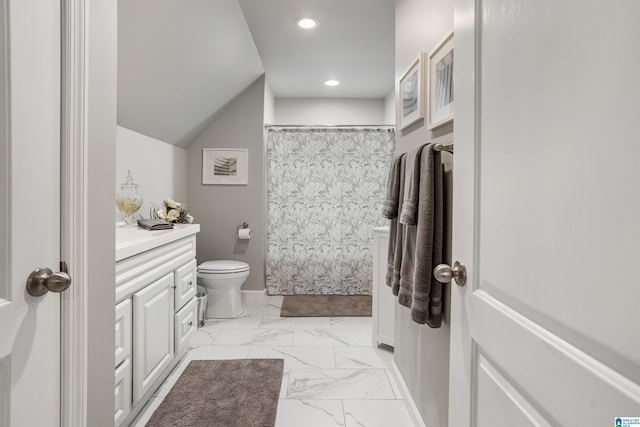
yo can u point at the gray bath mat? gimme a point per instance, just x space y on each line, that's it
223 393
326 305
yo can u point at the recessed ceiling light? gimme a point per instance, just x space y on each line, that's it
332 83
307 23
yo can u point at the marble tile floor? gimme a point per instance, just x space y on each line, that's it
332 375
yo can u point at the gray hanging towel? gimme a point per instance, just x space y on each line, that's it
395 191
391 202
408 220
426 306
409 211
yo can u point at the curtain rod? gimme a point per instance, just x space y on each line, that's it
389 127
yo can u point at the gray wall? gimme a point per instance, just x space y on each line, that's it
219 209
422 353
101 111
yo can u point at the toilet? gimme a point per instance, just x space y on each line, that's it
222 281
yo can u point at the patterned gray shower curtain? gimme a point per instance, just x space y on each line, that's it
325 189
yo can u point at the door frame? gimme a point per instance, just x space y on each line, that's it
465 233
5 155
74 211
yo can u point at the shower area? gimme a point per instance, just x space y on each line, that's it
325 189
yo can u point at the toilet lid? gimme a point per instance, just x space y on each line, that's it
223 266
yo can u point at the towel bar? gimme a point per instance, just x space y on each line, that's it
444 147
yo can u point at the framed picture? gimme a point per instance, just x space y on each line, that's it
227 166
411 93
440 108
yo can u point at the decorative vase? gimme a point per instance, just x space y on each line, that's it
128 200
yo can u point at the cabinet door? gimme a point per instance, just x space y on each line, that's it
185 280
152 334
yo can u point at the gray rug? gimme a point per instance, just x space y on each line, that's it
223 393
326 305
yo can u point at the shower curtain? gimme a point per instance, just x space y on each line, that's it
325 189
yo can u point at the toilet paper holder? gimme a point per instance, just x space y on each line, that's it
243 232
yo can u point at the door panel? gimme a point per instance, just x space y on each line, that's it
552 374
545 213
496 395
557 169
29 208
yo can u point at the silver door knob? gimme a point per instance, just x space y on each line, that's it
444 273
42 280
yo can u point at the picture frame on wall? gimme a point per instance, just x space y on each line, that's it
411 93
440 86
224 166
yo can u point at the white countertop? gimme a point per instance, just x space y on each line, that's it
133 240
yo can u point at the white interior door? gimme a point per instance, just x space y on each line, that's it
29 208
546 203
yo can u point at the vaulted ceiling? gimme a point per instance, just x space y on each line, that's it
180 63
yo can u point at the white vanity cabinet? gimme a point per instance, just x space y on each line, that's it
383 303
156 311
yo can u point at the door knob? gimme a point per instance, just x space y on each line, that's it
444 273
42 280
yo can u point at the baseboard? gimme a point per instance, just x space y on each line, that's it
253 295
403 390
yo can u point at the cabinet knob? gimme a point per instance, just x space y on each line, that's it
190 323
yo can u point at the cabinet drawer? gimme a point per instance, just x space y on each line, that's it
123 330
186 320
123 391
186 278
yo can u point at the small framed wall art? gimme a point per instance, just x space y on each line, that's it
411 93
440 108
226 166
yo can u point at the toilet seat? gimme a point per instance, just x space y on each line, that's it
223 267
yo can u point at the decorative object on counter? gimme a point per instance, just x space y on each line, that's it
128 200
224 166
154 224
172 211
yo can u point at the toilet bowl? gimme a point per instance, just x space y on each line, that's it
222 280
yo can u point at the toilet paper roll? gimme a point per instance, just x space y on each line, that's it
244 234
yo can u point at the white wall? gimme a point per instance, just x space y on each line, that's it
390 108
421 353
269 103
100 295
160 169
329 111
